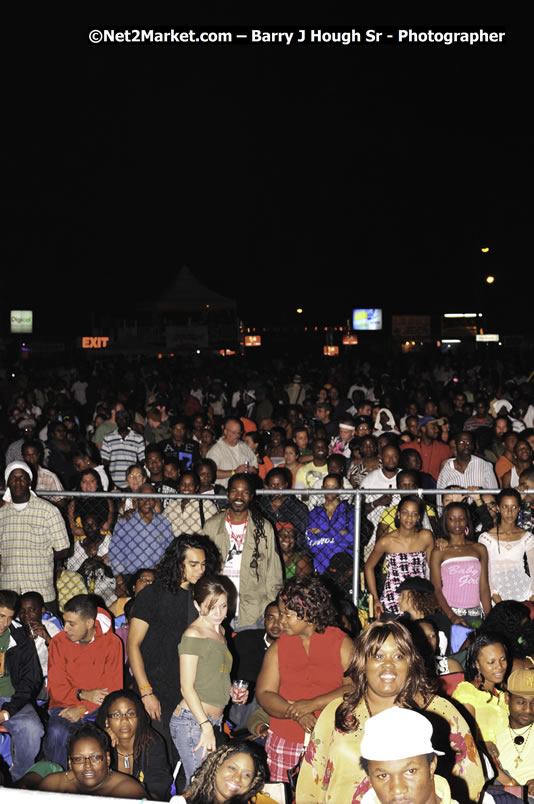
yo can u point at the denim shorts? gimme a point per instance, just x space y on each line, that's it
185 733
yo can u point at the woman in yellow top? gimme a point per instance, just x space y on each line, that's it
482 692
386 671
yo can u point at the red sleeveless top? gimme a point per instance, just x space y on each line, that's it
305 675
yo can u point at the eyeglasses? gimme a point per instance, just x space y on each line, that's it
94 759
130 714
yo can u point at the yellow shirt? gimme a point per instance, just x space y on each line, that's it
491 711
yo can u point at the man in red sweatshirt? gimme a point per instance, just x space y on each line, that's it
85 662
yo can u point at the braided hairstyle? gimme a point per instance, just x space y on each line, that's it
201 789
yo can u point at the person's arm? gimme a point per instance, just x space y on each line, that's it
188 672
268 684
136 633
109 521
429 545
506 479
76 530
378 551
435 577
485 595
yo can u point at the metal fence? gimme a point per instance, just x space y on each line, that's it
112 537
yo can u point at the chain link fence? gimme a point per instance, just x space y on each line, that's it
113 535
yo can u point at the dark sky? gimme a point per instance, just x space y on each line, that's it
327 176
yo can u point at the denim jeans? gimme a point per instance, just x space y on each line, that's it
185 732
58 732
26 731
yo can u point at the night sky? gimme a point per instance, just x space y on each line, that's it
325 176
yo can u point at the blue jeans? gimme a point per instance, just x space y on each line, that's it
58 732
185 733
26 731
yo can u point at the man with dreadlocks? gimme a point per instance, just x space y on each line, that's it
250 560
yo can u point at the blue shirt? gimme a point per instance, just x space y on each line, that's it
333 536
136 543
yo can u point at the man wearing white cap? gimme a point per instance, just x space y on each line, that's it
398 757
32 534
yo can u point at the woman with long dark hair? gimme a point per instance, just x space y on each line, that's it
102 508
386 671
137 749
459 569
507 545
482 693
163 610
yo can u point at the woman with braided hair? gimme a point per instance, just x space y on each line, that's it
235 772
248 547
136 749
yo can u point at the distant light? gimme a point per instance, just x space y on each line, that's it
490 279
459 315
451 340
198 351
299 310
484 250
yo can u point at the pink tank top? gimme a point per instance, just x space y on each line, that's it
460 579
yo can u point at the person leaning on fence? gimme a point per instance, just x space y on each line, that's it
32 536
189 516
141 539
248 547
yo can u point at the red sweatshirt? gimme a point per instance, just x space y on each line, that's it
72 666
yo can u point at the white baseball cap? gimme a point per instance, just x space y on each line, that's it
397 734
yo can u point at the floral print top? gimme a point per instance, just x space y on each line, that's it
331 768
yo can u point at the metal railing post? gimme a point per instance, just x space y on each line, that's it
356 558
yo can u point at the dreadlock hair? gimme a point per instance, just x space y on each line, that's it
257 519
310 600
365 647
144 735
170 570
201 789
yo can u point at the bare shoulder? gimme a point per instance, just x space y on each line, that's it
121 785
58 783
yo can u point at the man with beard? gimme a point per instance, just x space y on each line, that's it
248 547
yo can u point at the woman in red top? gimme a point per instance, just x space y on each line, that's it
302 671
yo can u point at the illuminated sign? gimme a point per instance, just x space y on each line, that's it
226 352
350 340
95 342
368 318
21 320
252 340
330 351
488 338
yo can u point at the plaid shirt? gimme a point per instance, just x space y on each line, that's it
28 539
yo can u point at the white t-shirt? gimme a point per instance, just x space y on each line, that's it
232 567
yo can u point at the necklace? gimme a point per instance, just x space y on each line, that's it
519 740
126 758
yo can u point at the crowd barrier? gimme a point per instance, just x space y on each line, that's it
338 546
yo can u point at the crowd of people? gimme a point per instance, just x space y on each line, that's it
191 601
